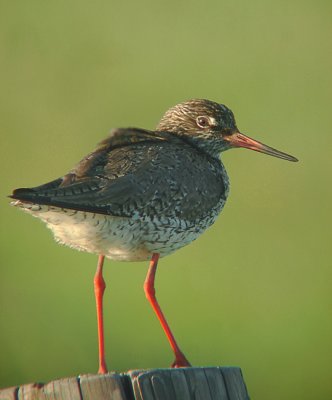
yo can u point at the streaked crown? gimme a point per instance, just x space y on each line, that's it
202 122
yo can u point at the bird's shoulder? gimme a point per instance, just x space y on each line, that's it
118 142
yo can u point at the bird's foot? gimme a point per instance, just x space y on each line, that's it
180 361
102 368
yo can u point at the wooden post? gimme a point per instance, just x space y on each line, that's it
211 383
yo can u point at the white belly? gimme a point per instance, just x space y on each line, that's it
118 238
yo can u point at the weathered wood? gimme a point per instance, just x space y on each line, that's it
106 387
235 385
9 393
211 383
217 382
67 388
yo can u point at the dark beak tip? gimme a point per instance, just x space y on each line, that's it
291 158
241 140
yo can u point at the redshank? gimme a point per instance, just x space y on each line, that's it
144 194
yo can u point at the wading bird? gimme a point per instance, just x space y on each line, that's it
141 195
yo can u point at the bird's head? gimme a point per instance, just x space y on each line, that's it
211 127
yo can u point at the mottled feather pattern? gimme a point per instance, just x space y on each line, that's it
144 194
139 192
109 181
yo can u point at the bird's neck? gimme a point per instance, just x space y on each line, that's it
207 146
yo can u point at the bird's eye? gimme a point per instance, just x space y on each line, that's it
202 122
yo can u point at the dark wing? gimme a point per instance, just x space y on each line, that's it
135 172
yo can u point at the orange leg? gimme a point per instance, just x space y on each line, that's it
99 285
180 359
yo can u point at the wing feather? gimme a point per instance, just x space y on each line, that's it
136 172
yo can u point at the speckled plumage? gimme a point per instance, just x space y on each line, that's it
145 211
138 193
144 194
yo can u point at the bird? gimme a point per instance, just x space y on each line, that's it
143 194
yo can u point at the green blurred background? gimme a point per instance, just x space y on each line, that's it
255 289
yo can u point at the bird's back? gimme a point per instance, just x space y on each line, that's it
143 187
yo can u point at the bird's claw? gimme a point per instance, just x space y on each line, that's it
180 362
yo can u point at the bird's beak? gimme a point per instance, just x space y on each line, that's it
237 139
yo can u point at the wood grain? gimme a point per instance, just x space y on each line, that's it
209 383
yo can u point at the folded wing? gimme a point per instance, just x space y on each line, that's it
134 172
